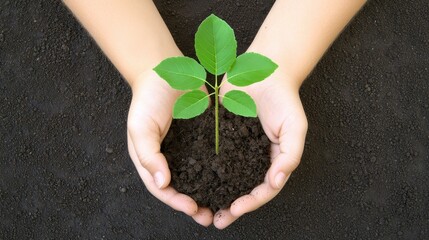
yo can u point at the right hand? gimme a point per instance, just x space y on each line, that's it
283 119
149 119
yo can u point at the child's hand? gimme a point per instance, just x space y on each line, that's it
283 119
149 119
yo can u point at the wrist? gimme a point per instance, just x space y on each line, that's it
274 52
152 58
148 81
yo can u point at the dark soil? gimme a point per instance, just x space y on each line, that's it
215 181
65 172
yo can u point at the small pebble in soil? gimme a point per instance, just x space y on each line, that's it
109 150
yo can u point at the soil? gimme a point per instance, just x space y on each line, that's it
65 172
215 181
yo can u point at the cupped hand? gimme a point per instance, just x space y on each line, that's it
149 119
283 119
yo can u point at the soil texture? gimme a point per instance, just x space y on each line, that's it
215 181
65 172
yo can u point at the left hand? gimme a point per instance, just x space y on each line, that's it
149 120
283 119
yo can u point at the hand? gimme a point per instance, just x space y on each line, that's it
149 119
284 122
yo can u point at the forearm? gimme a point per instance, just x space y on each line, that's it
130 32
296 33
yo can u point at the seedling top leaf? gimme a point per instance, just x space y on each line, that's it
215 45
216 49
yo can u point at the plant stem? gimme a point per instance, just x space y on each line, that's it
216 88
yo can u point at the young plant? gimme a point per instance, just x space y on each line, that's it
216 49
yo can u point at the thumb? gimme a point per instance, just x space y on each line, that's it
147 145
291 146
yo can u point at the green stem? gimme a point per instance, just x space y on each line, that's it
216 88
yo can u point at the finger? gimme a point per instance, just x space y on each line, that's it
146 140
204 216
223 218
274 151
291 146
255 199
168 195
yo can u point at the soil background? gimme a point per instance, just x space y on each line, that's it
64 167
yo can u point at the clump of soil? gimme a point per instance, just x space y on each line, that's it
215 181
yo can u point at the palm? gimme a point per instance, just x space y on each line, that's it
149 119
283 120
152 104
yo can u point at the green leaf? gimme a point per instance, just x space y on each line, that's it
190 104
250 68
182 73
239 103
215 45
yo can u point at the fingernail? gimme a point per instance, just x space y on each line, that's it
159 179
280 179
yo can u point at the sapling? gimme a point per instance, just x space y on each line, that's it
216 49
